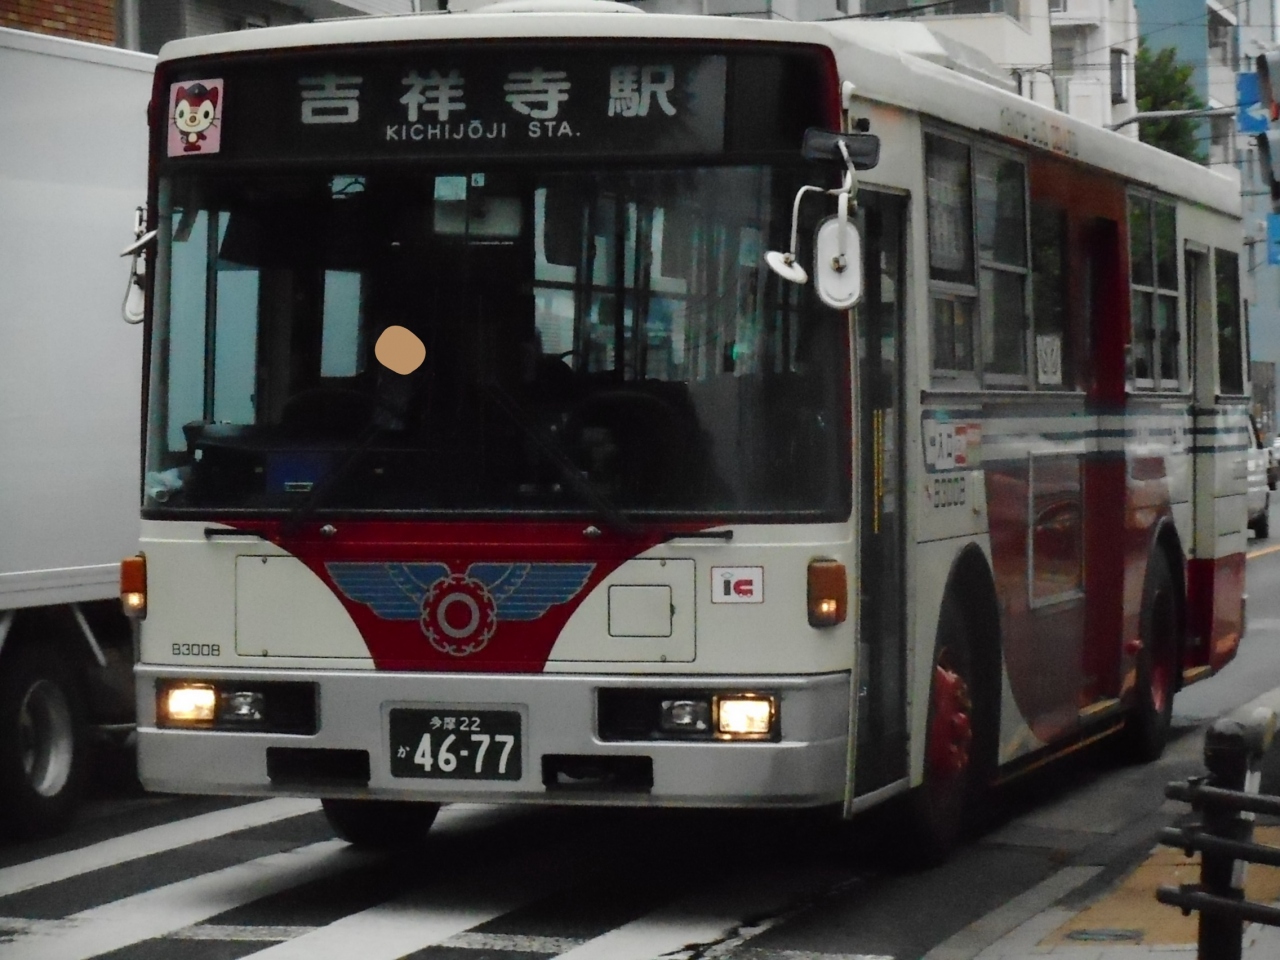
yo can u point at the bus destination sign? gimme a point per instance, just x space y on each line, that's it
440 104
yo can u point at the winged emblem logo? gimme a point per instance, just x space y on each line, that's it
459 612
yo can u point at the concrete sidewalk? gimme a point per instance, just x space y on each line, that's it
1090 911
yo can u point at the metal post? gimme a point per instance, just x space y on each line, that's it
1227 750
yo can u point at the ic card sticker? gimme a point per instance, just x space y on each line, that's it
737 584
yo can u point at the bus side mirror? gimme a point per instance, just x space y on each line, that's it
837 259
837 243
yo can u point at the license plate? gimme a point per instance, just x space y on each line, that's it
456 744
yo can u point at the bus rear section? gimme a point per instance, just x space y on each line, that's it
485 460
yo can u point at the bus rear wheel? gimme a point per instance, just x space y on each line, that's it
1146 731
940 806
380 824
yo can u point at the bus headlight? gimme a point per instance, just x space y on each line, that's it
745 716
224 705
195 703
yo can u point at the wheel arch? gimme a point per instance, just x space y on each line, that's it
971 584
1168 543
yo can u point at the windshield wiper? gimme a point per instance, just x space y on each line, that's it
298 515
555 455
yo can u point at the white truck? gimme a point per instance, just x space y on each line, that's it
73 154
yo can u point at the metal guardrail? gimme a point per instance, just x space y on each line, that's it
1227 801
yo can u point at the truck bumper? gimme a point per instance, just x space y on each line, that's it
806 765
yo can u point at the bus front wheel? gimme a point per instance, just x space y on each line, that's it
939 807
380 824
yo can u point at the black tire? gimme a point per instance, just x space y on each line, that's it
42 743
1262 526
941 809
381 824
1146 730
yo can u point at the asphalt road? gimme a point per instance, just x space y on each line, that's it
207 879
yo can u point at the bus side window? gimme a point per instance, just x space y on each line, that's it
1156 344
1226 268
1054 349
952 288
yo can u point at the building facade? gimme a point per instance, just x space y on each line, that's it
1258 31
147 25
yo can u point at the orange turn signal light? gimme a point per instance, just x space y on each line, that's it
828 593
133 586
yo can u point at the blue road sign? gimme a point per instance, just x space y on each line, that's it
1273 238
1251 117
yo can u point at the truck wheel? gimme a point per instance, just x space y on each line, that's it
42 747
380 824
1146 731
1262 526
940 806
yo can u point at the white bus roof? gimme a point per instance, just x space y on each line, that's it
882 61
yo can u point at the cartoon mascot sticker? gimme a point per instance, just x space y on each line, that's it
195 117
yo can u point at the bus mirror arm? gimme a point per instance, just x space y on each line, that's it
133 308
784 264
837 244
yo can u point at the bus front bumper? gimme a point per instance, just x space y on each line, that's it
561 757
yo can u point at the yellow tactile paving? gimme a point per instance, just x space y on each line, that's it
1132 905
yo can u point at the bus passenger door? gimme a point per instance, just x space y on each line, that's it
881 756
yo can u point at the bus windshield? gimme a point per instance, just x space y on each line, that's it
618 323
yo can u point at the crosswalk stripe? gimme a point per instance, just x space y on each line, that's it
432 914
221 931
694 925
163 910
143 843
512 943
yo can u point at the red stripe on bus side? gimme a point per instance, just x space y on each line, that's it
1215 606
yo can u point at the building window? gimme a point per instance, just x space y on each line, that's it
1064 59
1222 39
1057 6
1119 76
978 262
1156 344
1010 8
1221 139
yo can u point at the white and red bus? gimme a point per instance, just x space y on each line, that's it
487 460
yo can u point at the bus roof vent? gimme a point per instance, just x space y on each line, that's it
558 6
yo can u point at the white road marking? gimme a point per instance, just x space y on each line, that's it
143 843
512 942
159 912
223 931
432 914
716 916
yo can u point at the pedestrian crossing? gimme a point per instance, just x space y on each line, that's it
266 880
